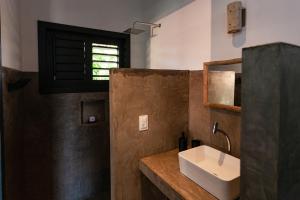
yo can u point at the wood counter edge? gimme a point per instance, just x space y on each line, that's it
167 188
159 182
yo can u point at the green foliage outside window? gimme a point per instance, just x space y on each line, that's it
104 57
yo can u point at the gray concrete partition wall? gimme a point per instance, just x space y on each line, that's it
163 95
270 138
51 152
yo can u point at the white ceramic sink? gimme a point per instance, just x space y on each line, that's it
216 172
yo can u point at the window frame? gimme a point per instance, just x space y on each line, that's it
47 84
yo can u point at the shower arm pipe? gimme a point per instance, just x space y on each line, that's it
152 25
147 24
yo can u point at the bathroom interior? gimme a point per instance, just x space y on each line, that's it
150 100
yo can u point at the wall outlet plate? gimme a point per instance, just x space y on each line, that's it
92 119
143 123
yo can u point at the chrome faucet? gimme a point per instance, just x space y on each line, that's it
215 130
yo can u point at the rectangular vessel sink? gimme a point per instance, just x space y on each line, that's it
216 172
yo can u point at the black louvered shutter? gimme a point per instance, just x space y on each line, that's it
69 59
75 59
65 62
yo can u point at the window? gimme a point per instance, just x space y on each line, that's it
75 59
104 57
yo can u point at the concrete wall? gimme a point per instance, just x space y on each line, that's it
13 136
267 21
113 15
270 125
10 34
183 41
174 102
64 159
49 153
201 119
163 95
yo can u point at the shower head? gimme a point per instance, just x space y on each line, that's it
134 31
215 128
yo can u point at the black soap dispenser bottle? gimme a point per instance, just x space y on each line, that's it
182 142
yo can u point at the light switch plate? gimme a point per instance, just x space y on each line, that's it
143 123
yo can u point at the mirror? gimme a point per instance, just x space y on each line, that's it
222 84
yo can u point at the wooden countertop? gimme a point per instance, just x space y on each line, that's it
163 171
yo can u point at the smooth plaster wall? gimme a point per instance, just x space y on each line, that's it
189 36
10 34
266 22
163 96
197 32
183 41
112 15
156 9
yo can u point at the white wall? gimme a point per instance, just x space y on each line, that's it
156 9
112 15
267 21
10 34
193 34
184 40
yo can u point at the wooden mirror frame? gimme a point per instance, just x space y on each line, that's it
206 65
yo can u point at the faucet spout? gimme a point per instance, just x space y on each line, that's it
228 141
215 130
